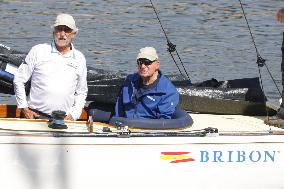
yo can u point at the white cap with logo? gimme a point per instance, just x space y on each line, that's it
149 53
65 20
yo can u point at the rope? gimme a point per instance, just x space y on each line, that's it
261 85
260 61
171 46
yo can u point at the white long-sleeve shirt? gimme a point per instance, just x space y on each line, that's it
58 82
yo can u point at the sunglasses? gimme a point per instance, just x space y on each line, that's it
144 61
60 28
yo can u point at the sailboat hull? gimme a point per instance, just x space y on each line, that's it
244 150
216 163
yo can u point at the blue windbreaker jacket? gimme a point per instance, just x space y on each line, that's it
155 103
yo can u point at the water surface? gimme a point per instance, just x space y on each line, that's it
212 37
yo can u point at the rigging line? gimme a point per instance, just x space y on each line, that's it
160 21
273 79
176 63
171 46
260 61
264 99
261 85
249 28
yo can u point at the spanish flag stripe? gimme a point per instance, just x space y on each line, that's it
174 153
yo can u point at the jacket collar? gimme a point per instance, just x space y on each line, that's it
158 88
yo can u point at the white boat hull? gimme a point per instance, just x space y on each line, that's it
36 159
215 162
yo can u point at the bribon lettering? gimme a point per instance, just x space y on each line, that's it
237 156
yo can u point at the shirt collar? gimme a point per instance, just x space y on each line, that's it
69 54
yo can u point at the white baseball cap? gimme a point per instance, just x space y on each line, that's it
148 52
66 20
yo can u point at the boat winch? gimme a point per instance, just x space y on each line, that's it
211 132
57 120
122 130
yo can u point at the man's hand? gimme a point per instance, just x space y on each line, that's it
69 117
280 15
29 114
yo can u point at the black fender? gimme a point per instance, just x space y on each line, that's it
181 119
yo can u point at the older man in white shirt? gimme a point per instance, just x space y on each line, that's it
57 72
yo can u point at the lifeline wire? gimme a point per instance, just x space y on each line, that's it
260 61
171 46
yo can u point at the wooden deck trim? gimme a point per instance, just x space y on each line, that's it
11 111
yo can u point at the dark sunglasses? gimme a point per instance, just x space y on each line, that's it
144 61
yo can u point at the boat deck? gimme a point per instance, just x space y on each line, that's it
224 123
31 153
10 123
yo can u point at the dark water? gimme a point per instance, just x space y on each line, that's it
212 38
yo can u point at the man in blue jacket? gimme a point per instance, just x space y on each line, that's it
147 93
